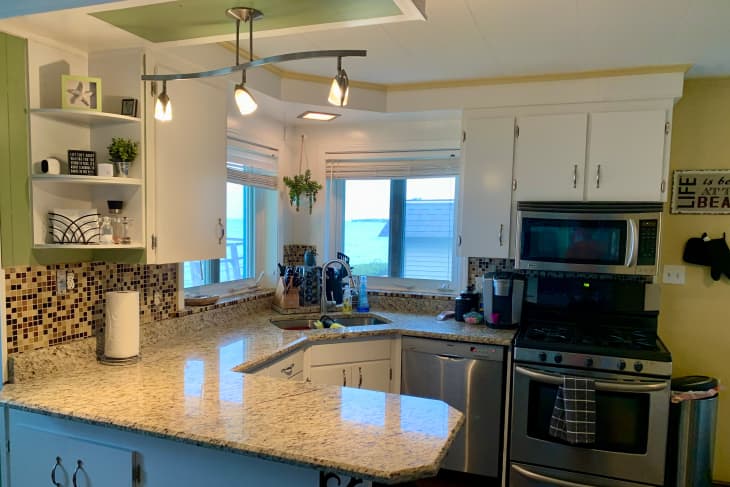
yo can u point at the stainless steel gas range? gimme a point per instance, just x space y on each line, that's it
630 366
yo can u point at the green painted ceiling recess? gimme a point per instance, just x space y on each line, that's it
192 19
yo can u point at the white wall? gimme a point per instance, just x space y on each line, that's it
303 228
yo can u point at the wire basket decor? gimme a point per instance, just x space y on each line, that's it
74 226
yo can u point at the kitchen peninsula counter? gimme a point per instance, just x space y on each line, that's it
187 388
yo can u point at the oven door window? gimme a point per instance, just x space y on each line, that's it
622 419
594 242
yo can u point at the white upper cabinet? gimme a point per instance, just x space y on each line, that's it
486 187
626 156
187 175
550 156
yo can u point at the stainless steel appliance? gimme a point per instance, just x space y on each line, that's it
614 238
503 296
581 329
469 377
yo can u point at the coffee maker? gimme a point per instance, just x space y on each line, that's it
503 294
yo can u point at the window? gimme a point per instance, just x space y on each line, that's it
395 217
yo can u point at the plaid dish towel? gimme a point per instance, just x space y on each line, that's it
574 412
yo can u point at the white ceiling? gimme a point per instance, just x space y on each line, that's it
480 38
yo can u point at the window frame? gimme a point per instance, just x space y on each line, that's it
336 191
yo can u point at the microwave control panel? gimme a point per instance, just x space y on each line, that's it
648 236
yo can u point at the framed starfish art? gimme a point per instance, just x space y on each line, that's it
80 92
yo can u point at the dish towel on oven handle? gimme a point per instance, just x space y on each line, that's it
574 412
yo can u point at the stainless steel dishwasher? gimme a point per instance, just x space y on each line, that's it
469 377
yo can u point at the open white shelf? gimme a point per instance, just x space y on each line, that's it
84 118
69 179
133 246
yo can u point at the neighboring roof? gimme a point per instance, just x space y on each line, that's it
427 219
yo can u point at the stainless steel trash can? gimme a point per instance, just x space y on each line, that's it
692 432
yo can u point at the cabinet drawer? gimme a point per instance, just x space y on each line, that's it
287 367
348 352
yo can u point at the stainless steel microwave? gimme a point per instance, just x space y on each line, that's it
611 238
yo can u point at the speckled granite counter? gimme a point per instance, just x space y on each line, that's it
185 389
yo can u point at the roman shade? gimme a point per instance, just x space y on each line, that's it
252 164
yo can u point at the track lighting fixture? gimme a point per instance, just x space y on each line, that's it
163 107
339 92
340 89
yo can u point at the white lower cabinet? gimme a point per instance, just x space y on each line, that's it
374 375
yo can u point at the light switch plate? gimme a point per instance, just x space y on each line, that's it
674 274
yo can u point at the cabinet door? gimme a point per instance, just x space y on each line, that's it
335 375
626 156
374 376
486 188
36 455
550 156
189 192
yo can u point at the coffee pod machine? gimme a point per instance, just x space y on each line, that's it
504 294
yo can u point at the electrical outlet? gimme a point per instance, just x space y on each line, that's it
673 274
60 282
70 280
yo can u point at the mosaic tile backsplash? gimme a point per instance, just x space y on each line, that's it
38 315
294 253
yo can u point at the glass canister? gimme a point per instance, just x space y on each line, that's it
106 230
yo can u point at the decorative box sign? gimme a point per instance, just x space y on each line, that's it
82 162
701 192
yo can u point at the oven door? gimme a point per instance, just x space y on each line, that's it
578 242
631 425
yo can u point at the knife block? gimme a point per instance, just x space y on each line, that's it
286 299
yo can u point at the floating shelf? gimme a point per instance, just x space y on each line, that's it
68 179
132 246
84 118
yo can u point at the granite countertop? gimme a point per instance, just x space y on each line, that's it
185 388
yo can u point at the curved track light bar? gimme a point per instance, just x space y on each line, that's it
292 56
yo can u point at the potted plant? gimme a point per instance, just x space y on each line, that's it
123 152
302 184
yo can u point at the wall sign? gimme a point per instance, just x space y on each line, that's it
701 192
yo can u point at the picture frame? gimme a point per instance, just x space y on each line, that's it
129 107
701 192
80 93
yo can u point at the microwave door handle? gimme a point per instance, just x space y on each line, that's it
538 477
633 243
600 385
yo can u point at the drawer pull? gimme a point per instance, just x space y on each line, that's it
53 472
79 466
288 370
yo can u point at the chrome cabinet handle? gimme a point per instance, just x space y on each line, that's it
53 472
459 244
544 478
222 233
501 231
359 382
344 378
598 176
575 176
79 466
288 370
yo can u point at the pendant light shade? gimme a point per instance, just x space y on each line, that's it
245 102
163 107
340 88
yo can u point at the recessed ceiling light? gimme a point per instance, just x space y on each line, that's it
319 116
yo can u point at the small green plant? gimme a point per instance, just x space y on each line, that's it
123 150
302 184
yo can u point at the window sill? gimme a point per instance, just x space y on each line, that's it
227 301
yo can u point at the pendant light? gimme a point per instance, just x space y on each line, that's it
163 107
244 100
340 89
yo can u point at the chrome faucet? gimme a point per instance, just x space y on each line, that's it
323 302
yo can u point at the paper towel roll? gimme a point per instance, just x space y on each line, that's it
121 332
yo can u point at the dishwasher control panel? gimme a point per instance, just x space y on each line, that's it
454 349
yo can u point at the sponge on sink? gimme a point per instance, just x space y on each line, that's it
318 325
336 325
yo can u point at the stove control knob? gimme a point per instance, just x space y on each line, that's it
589 362
621 365
558 358
542 356
638 366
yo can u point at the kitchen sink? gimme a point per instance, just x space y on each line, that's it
308 323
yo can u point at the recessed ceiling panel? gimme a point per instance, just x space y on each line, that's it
193 19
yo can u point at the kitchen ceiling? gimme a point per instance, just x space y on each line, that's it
461 39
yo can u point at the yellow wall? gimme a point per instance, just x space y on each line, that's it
695 318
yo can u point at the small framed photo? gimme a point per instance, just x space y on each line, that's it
80 92
129 107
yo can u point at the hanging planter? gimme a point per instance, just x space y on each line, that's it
302 184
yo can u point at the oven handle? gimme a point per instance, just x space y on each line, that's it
632 250
599 384
544 478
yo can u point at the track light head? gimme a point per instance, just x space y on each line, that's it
163 107
244 100
340 88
